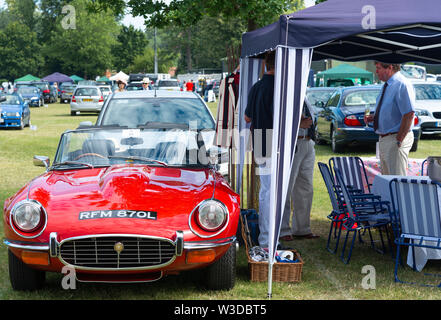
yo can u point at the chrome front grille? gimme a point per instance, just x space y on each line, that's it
117 252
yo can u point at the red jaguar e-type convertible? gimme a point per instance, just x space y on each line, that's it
124 205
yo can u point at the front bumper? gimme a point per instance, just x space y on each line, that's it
175 263
10 122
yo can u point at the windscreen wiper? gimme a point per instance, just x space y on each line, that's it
72 163
139 159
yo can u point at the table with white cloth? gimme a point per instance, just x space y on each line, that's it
380 187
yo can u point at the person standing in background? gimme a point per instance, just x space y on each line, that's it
393 119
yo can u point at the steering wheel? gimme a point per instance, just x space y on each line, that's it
90 154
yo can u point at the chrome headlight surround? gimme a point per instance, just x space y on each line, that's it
28 218
422 113
211 216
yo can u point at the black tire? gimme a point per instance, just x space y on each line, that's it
414 146
73 113
23 277
221 275
318 140
336 148
22 123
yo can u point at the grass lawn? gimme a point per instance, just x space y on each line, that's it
324 275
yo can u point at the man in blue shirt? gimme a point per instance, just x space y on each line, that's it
393 119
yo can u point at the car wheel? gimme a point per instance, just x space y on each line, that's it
221 275
23 277
22 123
414 146
73 113
336 148
317 137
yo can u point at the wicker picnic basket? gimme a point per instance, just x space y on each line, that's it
282 272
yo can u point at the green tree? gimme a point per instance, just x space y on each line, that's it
50 11
130 43
186 13
19 51
23 11
85 49
144 62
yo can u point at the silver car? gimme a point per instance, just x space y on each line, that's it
106 90
86 99
66 93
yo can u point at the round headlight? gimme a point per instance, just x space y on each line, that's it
211 215
28 215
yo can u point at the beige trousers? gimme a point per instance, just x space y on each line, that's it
394 159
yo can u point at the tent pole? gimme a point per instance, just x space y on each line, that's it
270 280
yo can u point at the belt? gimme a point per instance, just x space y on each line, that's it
387 134
303 137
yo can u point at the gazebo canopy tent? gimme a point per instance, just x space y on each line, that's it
76 78
28 77
103 79
342 72
392 31
57 77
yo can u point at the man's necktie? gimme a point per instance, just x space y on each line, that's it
377 111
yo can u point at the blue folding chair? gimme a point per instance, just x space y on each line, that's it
338 214
416 217
424 168
354 177
360 219
353 173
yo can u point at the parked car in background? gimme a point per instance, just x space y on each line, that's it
106 90
86 99
138 108
123 205
45 89
14 112
428 106
32 95
341 121
216 85
20 84
67 93
318 96
134 86
170 84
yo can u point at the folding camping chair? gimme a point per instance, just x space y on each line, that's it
337 215
417 222
360 218
424 168
353 172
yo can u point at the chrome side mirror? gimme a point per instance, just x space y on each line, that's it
42 161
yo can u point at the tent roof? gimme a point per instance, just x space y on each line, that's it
393 31
103 78
28 77
57 77
76 78
346 71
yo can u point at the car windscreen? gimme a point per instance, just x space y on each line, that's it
427 92
11 99
318 96
87 92
42 86
134 88
69 89
138 111
361 98
104 89
157 146
165 83
27 90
